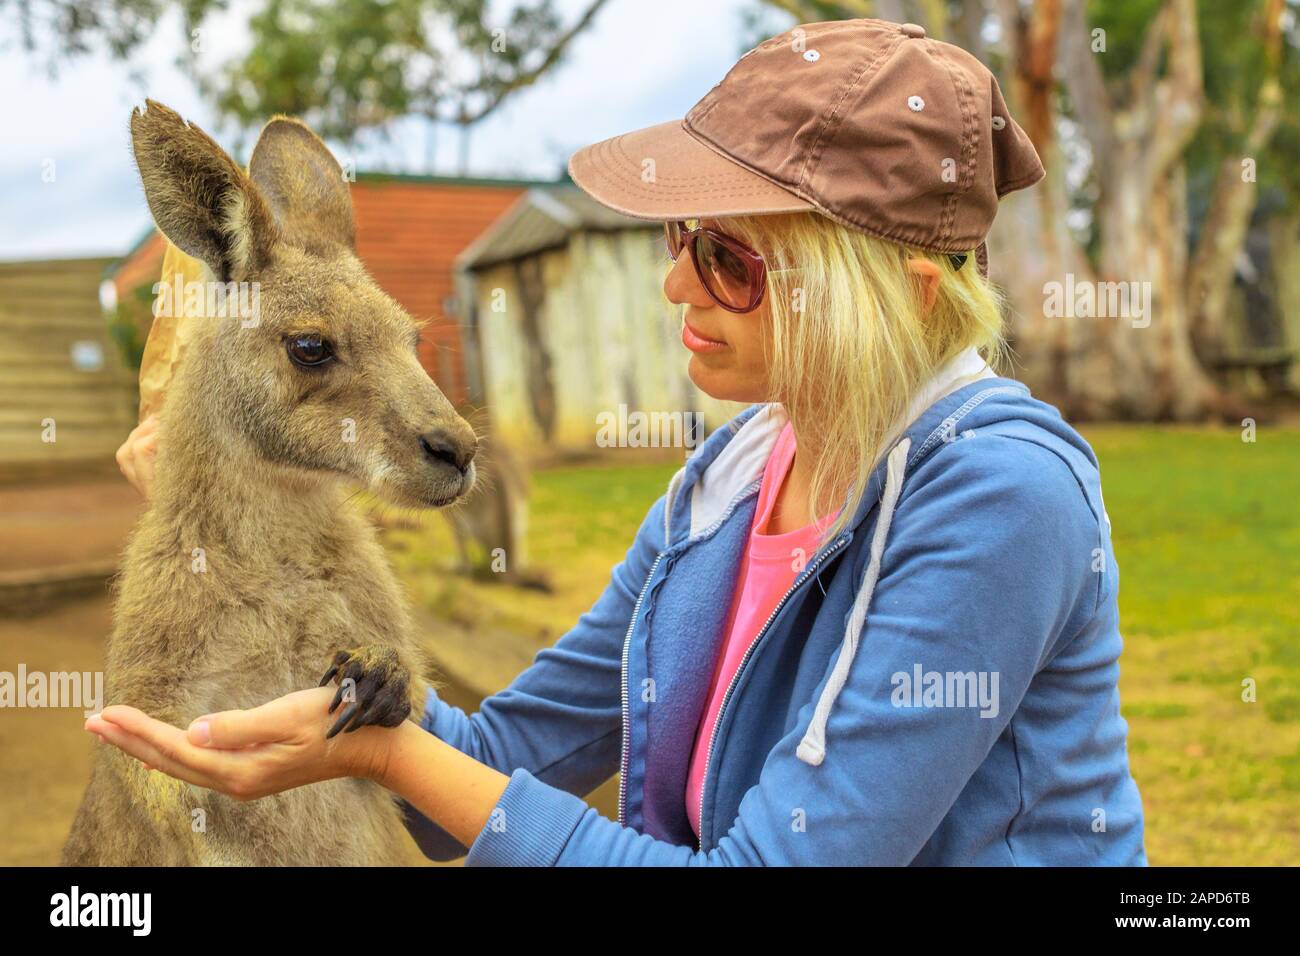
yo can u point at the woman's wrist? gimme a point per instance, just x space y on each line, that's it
369 752
376 761
452 789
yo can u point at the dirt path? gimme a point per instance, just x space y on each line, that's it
68 523
44 752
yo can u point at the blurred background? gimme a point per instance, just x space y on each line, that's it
1168 130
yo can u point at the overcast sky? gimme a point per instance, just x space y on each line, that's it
638 64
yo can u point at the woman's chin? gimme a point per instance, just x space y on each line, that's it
714 376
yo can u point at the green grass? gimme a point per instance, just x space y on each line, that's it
1207 534
1207 537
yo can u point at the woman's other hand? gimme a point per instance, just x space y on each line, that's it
136 456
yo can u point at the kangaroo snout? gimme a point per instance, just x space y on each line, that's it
445 446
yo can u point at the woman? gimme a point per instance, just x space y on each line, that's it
873 620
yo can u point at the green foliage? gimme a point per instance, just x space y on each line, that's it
68 28
1235 63
343 65
351 64
128 324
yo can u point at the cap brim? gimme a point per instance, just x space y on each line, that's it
663 172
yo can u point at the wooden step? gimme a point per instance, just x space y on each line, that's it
33 322
21 421
106 405
96 264
74 444
62 374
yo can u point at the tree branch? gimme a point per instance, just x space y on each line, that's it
1087 87
529 77
1179 100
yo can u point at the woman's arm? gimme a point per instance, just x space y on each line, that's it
989 567
447 787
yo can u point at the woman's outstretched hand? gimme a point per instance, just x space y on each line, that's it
247 754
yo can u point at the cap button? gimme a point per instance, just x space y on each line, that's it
912 30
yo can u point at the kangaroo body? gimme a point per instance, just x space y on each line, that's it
251 571
232 594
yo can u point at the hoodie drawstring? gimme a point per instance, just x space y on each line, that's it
812 749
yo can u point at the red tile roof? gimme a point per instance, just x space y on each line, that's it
409 233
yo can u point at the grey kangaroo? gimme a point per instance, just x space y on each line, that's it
250 574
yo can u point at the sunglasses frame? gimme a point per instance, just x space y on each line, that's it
755 267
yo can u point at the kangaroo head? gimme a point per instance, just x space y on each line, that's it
322 375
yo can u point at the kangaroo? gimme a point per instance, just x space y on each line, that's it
250 574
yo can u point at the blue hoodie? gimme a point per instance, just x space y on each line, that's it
938 686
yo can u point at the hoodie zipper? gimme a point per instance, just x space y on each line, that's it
627 726
726 697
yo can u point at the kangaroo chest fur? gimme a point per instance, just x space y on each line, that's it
199 629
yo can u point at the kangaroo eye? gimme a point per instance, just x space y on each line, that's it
309 350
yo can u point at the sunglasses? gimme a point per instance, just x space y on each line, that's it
734 275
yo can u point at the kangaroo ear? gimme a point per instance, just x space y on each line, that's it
200 198
304 185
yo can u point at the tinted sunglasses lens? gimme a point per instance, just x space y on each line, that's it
723 273
673 237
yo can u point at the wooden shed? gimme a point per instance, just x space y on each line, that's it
567 317
65 400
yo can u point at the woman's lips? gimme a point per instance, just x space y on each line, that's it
698 343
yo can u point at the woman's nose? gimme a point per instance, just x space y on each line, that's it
682 284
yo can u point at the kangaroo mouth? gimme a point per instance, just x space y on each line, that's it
425 490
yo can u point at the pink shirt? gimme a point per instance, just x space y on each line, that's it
767 569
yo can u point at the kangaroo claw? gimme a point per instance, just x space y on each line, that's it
375 686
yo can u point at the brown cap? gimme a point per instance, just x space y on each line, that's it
866 121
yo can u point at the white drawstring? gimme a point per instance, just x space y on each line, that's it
812 749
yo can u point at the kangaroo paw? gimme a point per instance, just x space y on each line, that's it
374 686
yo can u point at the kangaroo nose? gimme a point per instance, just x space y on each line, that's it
441 445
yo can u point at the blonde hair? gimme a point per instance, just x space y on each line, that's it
851 345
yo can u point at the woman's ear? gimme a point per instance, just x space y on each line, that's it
927 273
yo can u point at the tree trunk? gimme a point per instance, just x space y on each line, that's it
1104 365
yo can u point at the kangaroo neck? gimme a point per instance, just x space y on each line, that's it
214 490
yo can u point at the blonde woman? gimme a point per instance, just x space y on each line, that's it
873 620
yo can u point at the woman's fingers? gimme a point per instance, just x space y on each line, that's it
146 453
126 462
136 457
278 721
150 753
